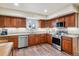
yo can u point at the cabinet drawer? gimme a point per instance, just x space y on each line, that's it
3 40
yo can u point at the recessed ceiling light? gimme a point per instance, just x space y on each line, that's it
16 4
45 10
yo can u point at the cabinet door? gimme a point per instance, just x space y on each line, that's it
42 38
42 23
67 44
18 22
1 21
7 21
3 41
37 39
49 38
61 19
13 39
31 40
49 23
70 21
21 22
13 22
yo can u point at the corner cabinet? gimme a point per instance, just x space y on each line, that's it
13 39
67 45
34 39
42 23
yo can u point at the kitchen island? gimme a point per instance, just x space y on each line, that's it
6 48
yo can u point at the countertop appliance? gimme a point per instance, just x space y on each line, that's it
22 41
4 32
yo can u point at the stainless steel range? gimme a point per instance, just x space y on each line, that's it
56 40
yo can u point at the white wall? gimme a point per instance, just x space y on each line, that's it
66 10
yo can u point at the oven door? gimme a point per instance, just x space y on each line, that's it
56 43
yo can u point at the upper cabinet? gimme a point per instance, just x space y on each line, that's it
1 21
42 23
70 20
13 22
9 21
61 19
21 22
50 23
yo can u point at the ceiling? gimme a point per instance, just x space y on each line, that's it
36 7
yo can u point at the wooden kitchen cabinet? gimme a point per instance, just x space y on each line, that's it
35 39
10 21
31 39
70 20
42 38
1 21
13 22
49 38
45 23
67 45
21 22
61 19
3 40
7 21
51 23
42 23
13 39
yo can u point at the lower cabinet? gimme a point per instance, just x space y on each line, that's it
2 41
67 45
31 40
13 39
34 39
49 38
42 38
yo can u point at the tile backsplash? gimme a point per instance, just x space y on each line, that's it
14 30
73 30
70 30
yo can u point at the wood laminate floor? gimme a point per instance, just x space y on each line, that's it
39 50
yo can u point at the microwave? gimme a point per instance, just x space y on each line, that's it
60 24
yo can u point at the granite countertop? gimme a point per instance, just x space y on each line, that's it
22 33
71 35
5 48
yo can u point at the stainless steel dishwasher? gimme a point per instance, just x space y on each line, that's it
22 41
